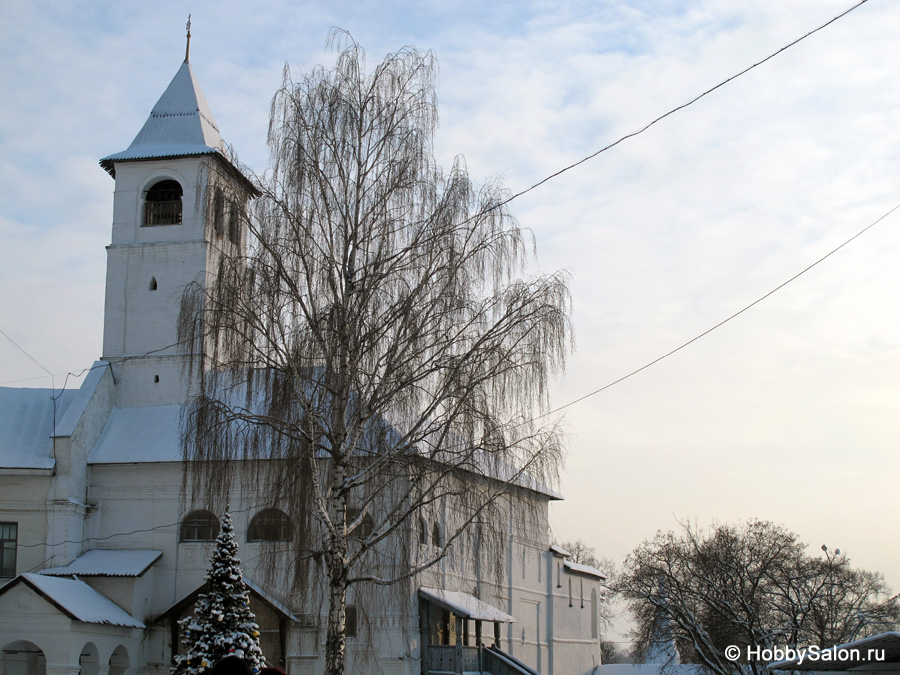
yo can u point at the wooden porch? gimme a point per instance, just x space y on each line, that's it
455 639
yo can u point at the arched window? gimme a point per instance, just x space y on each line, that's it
436 535
270 525
199 526
119 661
153 284
162 203
89 661
423 532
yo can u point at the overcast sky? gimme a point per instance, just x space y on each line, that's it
788 413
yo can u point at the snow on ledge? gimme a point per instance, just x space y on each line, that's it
584 569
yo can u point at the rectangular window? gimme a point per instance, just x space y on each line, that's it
350 620
234 223
8 535
219 212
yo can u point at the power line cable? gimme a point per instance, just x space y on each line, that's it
126 534
675 110
30 357
721 323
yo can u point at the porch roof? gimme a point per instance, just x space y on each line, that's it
107 563
465 605
77 600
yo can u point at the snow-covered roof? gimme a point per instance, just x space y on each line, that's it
65 425
101 563
255 589
882 649
135 435
584 569
268 597
78 600
465 605
27 424
181 124
560 551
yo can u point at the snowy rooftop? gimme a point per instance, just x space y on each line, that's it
268 597
100 563
465 605
559 550
79 601
26 426
181 124
584 569
148 434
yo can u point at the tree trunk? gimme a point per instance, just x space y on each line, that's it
336 640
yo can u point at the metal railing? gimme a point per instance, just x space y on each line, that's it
445 659
162 213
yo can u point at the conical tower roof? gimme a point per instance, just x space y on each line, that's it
180 125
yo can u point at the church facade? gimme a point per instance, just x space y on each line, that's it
101 549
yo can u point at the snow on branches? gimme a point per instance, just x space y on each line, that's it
223 624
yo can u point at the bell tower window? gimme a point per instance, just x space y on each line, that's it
162 204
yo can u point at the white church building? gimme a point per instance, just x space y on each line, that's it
100 552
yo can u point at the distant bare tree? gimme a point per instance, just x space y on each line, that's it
611 653
751 585
375 342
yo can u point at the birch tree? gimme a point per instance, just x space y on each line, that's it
377 342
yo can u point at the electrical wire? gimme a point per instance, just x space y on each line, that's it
675 110
721 323
124 534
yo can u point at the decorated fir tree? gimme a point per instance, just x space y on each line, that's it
223 624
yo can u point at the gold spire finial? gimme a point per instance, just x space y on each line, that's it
187 49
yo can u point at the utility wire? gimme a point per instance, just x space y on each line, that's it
721 323
30 357
53 398
125 534
675 110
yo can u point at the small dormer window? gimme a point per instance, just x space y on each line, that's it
162 204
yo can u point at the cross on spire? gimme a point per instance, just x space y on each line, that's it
187 49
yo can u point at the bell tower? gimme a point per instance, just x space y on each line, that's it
176 209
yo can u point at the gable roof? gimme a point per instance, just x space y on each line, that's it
181 124
107 563
256 592
76 600
26 426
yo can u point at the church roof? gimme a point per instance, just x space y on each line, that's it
77 600
181 124
107 563
27 424
145 434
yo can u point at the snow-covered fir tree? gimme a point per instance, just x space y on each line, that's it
223 624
